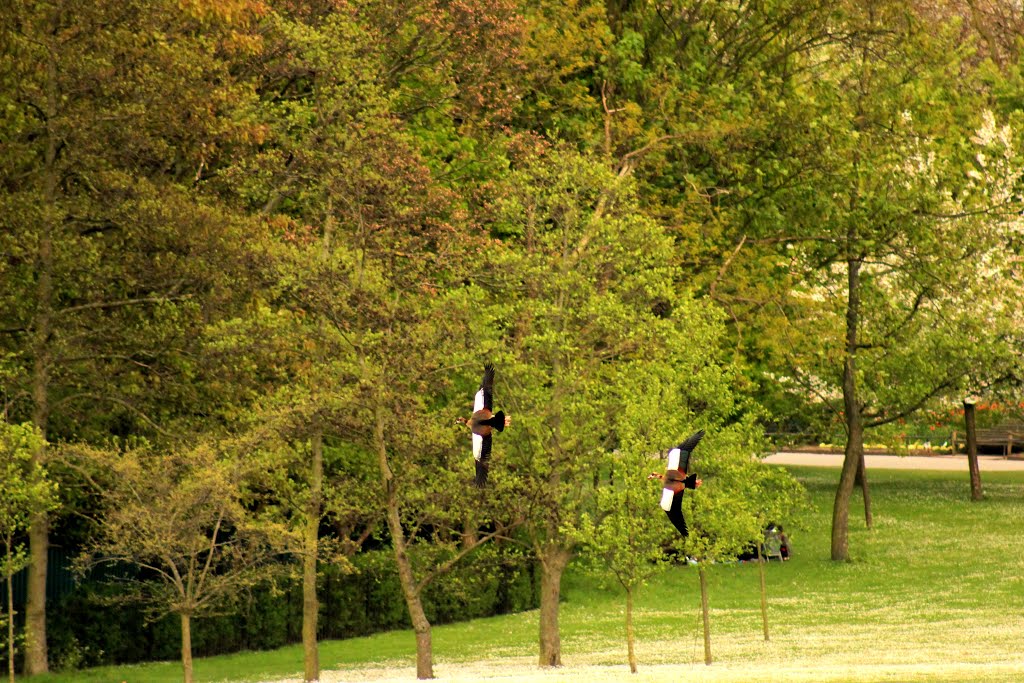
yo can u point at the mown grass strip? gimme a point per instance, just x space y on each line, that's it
935 592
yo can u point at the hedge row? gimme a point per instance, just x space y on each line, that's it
494 581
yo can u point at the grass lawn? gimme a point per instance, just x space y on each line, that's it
935 592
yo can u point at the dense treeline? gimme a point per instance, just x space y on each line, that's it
255 254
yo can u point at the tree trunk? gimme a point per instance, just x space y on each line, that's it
854 423
764 592
705 613
413 601
630 649
862 481
10 617
424 645
841 507
310 603
972 451
469 531
36 658
411 592
552 563
186 646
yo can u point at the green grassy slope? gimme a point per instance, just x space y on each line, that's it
934 592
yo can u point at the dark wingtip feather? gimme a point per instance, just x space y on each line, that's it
481 474
686 449
487 384
488 379
691 442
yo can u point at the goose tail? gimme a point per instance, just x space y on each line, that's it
496 421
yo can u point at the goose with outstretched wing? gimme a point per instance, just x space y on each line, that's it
676 481
482 423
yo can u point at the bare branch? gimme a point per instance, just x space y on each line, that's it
607 119
725 266
913 407
210 552
121 304
446 566
630 160
119 401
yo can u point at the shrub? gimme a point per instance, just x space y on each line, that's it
493 580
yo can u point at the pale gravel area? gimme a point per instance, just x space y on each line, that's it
963 648
986 463
1004 671
523 670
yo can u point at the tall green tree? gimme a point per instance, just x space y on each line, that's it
740 496
180 517
582 293
381 359
109 122
704 105
627 534
371 112
339 180
886 312
24 491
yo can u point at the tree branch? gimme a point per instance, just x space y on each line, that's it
935 391
725 266
121 304
119 401
210 552
445 567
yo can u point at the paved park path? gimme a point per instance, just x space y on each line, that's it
986 463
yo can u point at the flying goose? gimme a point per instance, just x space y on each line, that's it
676 481
482 423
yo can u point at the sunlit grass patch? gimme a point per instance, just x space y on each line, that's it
934 592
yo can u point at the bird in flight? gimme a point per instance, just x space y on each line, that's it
483 422
676 481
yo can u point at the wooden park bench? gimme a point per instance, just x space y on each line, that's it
1001 437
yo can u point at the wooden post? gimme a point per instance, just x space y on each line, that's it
764 591
630 639
972 449
704 609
